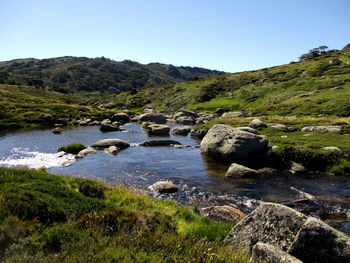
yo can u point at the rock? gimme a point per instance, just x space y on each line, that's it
158 129
111 142
274 147
226 143
153 117
164 187
247 129
186 120
332 148
198 134
219 111
347 63
185 113
270 223
109 127
266 253
86 152
113 150
84 122
269 171
160 143
69 162
181 131
335 88
223 213
334 61
94 123
284 136
229 115
297 168
57 130
134 119
106 121
128 112
279 127
240 171
256 123
318 242
322 128
121 117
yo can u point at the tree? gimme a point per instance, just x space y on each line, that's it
322 48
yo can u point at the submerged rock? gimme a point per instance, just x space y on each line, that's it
106 127
160 143
111 142
164 187
223 213
239 171
113 150
181 131
226 143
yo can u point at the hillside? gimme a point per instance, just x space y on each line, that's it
309 87
69 74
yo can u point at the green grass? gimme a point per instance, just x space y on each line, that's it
73 148
52 218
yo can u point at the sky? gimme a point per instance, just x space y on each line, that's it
227 35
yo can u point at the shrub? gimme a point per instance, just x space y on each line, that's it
73 148
92 189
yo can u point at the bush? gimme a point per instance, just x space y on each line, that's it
92 189
73 148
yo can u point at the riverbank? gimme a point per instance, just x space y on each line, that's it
54 218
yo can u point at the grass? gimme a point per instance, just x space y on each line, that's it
73 148
53 218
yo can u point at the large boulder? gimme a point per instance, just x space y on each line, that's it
153 117
236 114
239 171
121 117
226 143
256 123
160 143
181 131
111 142
322 128
158 129
223 213
164 187
266 253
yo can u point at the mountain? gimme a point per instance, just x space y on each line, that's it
316 85
70 74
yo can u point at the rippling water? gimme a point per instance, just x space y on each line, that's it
201 179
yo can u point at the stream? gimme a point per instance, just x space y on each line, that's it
200 179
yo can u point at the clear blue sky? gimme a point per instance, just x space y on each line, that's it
226 35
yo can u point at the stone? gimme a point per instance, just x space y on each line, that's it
334 61
279 127
318 242
247 129
219 111
113 150
322 128
111 142
57 130
128 112
256 123
223 213
262 252
121 117
297 168
69 162
160 143
335 88
185 113
229 144
181 131
84 122
229 115
86 152
158 129
186 120
105 127
239 171
164 187
198 134
94 123
270 223
153 117
106 121
269 171
332 148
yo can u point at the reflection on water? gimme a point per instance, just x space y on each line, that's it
200 178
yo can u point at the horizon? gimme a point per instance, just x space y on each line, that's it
225 36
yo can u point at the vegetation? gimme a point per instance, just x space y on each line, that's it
50 218
73 148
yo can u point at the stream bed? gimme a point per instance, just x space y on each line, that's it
200 179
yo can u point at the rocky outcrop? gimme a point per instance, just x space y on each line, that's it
262 252
256 123
322 128
158 129
111 142
160 143
305 238
239 171
181 131
164 187
223 213
57 130
229 115
153 117
229 144
120 117
109 127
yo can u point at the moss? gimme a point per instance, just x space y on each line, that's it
73 148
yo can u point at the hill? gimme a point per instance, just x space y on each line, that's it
316 85
69 74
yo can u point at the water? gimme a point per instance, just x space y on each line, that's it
201 180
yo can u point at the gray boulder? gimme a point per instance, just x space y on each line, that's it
113 150
160 143
223 213
181 131
198 134
226 143
229 115
186 120
332 148
86 152
256 123
121 118
153 117
94 123
57 130
84 122
239 171
106 127
322 128
247 129
111 142
164 187
266 253
158 129
185 113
